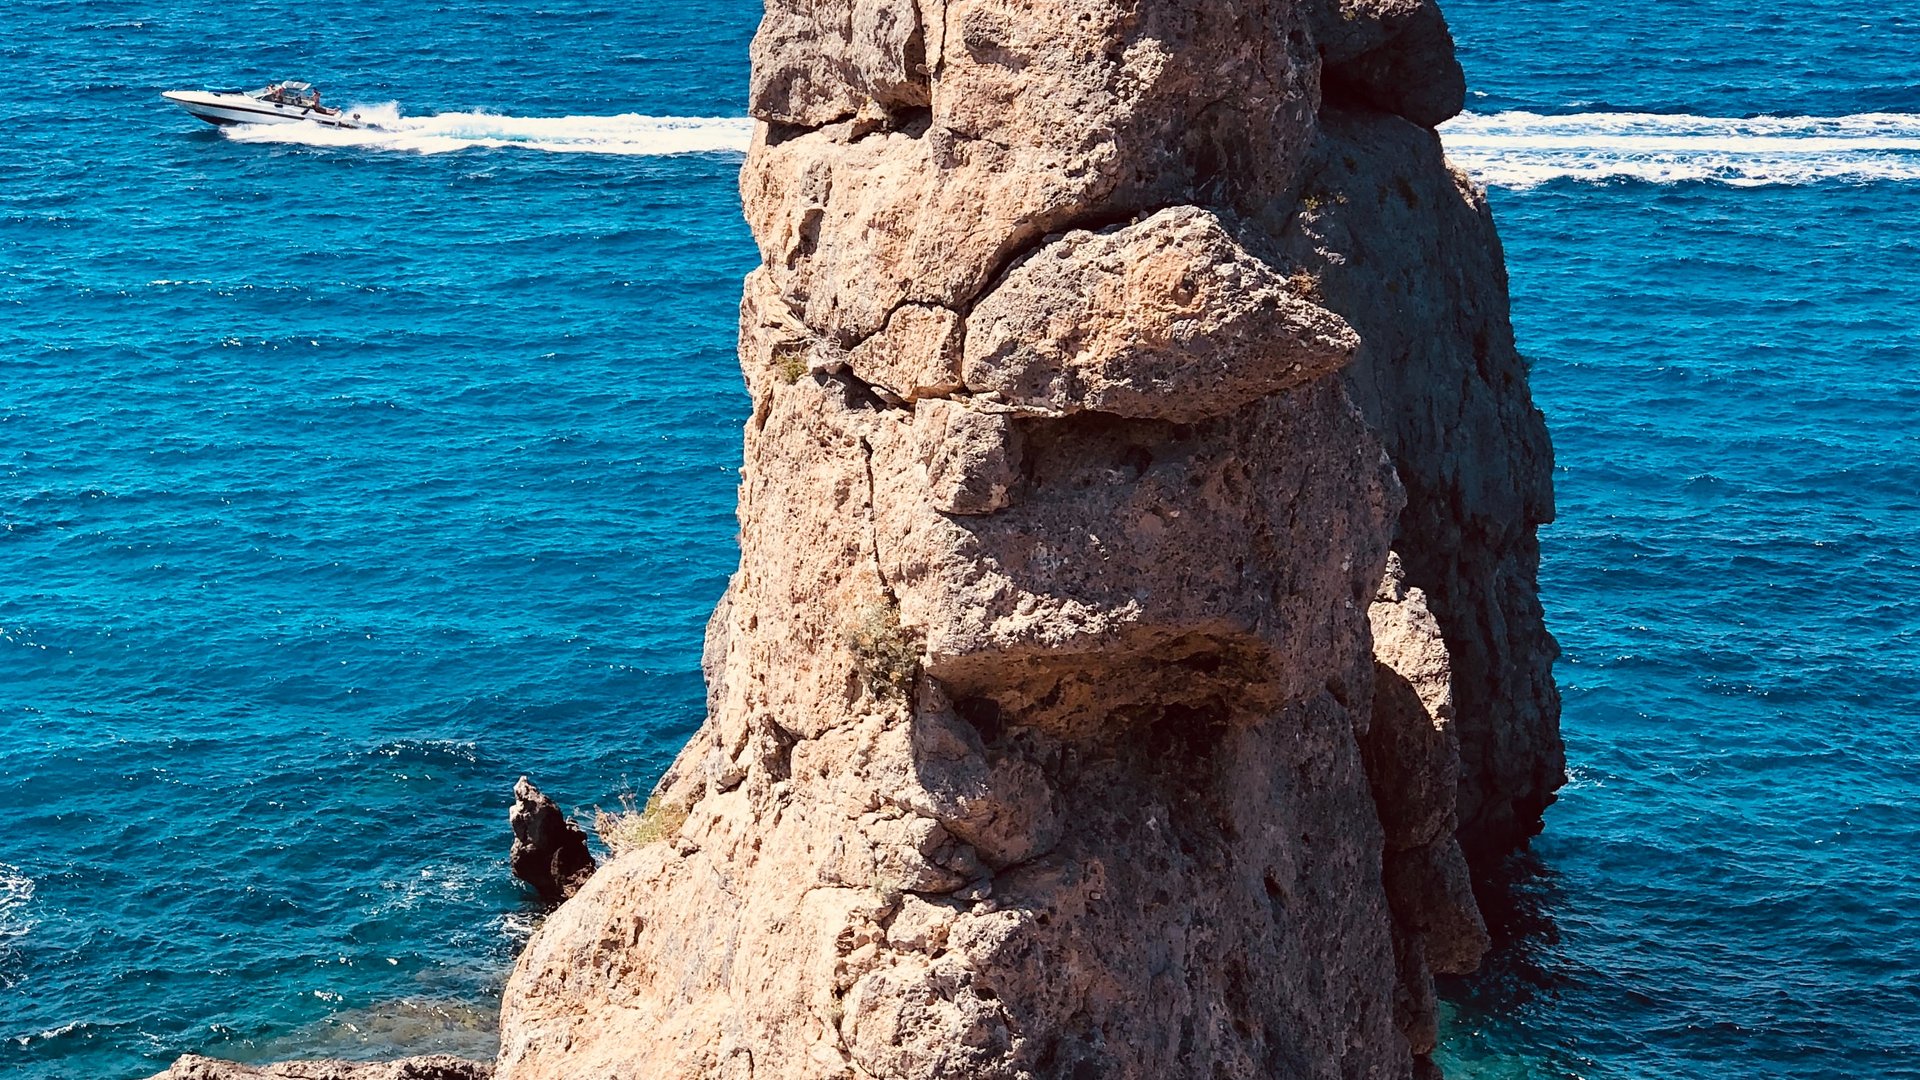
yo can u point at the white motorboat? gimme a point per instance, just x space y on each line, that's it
281 103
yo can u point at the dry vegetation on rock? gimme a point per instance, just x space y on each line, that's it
634 826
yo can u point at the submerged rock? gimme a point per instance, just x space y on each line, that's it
435 1067
549 851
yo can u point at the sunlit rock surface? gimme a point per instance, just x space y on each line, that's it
1136 604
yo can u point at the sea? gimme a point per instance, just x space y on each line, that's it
346 477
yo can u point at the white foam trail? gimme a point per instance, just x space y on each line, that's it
1508 149
1523 149
630 134
16 890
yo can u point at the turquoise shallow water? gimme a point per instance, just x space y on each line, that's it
342 481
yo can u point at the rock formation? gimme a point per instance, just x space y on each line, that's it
1136 636
435 1067
1136 603
1405 250
549 852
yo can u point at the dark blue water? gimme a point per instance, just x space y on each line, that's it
1730 885
346 480
340 487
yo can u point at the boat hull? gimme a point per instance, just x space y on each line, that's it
227 109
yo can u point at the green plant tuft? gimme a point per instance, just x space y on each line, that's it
792 366
1316 198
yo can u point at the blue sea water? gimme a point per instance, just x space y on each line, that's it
343 479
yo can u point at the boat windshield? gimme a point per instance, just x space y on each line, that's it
289 93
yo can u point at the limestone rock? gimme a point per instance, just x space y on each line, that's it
1049 859
1346 29
1412 751
916 355
1169 318
1432 899
1104 578
434 1067
1393 55
1036 123
549 852
1404 249
1412 761
968 455
1068 716
814 63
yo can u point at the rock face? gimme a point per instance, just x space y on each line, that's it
1136 602
1405 250
549 852
436 1067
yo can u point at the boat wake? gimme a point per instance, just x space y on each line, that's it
1523 149
448 132
1508 149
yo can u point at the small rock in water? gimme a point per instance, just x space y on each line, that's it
549 852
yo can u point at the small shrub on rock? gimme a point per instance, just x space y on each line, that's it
792 363
633 826
887 656
1304 285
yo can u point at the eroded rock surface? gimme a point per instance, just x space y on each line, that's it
1136 598
1169 318
1395 56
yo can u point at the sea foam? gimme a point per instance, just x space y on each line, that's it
16 893
629 134
1525 149
1507 149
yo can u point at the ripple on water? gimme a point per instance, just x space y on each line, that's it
344 484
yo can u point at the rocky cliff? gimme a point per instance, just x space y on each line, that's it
1136 609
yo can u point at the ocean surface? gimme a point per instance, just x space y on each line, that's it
344 478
